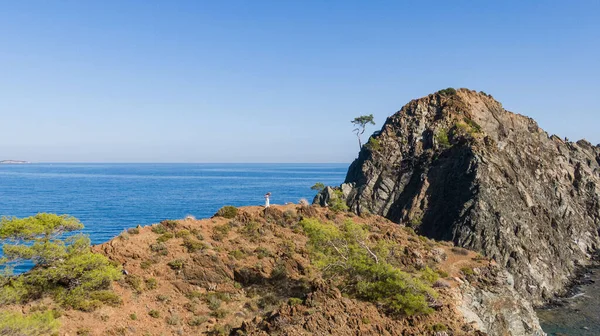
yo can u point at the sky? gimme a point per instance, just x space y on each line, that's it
276 81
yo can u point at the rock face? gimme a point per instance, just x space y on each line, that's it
457 166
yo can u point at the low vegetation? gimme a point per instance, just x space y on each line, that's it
228 212
63 268
442 138
34 324
338 202
363 268
447 92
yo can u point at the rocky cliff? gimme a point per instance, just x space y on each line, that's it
456 165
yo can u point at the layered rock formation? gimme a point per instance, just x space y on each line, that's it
455 165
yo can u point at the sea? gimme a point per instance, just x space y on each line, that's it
109 198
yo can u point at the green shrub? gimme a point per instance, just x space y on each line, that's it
347 255
468 271
373 145
227 211
476 128
163 298
133 317
151 283
428 275
159 248
146 264
135 282
164 237
219 313
318 187
107 297
134 230
251 230
159 229
338 203
182 233
295 301
197 321
213 302
237 254
442 274
169 224
173 320
221 231
39 323
176 264
194 245
438 327
442 138
447 92
262 252
154 313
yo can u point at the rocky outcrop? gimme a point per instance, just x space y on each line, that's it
457 166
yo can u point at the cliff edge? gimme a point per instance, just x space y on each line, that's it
457 166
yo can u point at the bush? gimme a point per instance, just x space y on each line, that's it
227 211
146 264
135 282
176 264
173 320
193 245
197 321
219 313
447 92
39 323
169 224
107 297
295 301
182 233
338 203
237 254
468 271
442 139
159 248
373 145
151 283
442 273
262 252
154 313
251 230
133 317
164 237
346 255
134 230
221 231
159 229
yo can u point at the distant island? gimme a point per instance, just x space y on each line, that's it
13 162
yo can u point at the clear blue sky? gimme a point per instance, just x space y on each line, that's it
276 81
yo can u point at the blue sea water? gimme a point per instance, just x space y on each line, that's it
108 198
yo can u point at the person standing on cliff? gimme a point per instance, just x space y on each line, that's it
267 195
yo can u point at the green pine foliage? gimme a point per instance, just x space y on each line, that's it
338 203
64 268
34 324
361 267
